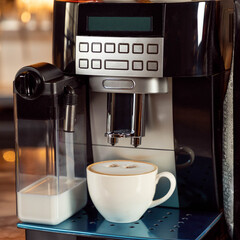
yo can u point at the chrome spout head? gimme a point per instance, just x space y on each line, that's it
111 139
136 141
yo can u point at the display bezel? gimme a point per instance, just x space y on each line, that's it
122 10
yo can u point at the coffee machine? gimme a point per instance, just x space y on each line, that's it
152 76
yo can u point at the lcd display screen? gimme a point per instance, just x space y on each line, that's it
119 24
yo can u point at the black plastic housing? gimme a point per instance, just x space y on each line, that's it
40 104
193 45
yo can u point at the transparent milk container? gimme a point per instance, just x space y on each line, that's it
51 148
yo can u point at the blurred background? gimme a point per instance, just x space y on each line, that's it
25 38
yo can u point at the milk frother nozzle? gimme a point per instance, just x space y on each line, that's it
70 111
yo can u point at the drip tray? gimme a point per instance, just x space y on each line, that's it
157 223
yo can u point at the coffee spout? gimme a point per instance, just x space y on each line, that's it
112 140
137 119
136 141
125 115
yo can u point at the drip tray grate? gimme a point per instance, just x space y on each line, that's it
157 223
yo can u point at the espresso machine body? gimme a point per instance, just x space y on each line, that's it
154 76
173 58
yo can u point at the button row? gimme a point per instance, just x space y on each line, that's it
137 48
117 65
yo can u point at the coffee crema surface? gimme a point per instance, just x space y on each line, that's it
122 167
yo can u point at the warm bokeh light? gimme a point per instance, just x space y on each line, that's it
35 6
80 1
36 160
9 156
26 17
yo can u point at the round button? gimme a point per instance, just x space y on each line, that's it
29 85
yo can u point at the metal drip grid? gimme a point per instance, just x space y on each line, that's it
157 223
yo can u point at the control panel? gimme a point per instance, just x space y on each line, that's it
119 56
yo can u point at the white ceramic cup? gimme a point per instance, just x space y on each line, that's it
122 190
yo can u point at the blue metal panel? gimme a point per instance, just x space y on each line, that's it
157 223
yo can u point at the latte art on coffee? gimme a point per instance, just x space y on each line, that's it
122 167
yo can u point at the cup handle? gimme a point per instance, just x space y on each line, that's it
172 180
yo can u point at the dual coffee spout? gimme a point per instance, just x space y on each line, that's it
125 117
126 105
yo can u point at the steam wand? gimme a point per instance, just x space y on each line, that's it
70 102
70 113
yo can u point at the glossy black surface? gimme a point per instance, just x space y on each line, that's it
193 42
197 102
